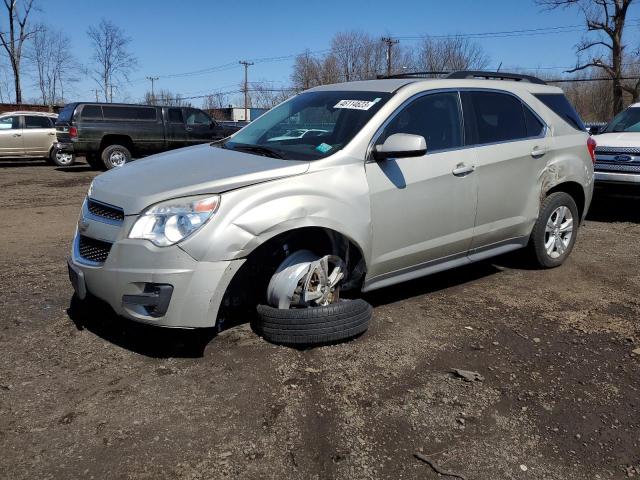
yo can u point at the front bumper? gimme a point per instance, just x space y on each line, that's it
135 269
616 177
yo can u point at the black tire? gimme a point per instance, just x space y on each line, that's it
68 160
113 152
94 161
538 235
314 325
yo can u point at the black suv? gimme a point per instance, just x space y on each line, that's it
110 134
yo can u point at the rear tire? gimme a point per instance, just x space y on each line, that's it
115 156
555 231
314 325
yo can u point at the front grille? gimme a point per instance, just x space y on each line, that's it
103 210
618 150
93 250
616 167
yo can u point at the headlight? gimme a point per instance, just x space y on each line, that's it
169 222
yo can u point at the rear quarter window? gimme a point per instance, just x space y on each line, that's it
561 106
129 113
92 112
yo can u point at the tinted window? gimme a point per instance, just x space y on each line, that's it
534 126
66 113
626 121
36 122
196 117
91 111
561 106
128 113
498 117
435 117
175 115
8 123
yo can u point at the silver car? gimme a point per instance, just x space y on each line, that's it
31 135
411 177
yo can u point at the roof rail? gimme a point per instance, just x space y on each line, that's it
412 75
496 76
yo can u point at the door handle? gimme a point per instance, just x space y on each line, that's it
17 134
462 170
188 129
538 152
52 133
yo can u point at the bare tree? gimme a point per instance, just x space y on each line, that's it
14 40
265 95
307 71
112 61
54 64
606 20
165 97
450 54
216 100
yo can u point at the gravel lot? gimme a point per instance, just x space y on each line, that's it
85 394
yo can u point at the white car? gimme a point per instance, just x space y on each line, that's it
618 150
299 133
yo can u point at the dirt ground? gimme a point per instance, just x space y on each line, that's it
85 394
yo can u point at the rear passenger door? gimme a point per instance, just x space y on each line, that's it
175 128
38 135
510 145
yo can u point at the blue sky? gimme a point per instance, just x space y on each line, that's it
170 37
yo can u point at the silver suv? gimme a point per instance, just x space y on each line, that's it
409 177
31 135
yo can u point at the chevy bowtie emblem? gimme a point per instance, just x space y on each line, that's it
83 225
623 158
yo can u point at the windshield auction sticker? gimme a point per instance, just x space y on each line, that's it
356 104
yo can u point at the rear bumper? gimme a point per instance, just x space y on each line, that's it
137 278
615 177
64 147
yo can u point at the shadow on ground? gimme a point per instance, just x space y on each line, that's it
615 204
152 341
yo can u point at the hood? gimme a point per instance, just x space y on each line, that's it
618 139
188 171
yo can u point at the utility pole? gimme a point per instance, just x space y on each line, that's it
246 86
390 43
153 95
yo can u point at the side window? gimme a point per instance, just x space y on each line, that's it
10 123
561 107
91 112
436 117
175 115
196 117
36 122
129 113
499 117
535 127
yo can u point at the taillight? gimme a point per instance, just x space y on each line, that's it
73 132
591 146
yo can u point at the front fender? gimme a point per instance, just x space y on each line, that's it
336 198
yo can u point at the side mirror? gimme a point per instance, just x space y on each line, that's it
401 145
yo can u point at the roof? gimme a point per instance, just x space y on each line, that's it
391 85
29 112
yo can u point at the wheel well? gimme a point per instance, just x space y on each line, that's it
123 140
575 190
249 285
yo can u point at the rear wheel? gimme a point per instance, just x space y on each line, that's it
554 234
115 156
305 307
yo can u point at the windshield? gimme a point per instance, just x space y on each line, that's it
334 117
627 121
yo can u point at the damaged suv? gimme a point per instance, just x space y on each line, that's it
407 177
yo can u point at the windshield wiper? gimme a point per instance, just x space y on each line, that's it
264 151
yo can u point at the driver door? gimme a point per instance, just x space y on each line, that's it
423 208
199 127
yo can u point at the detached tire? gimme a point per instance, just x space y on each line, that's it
314 325
115 156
